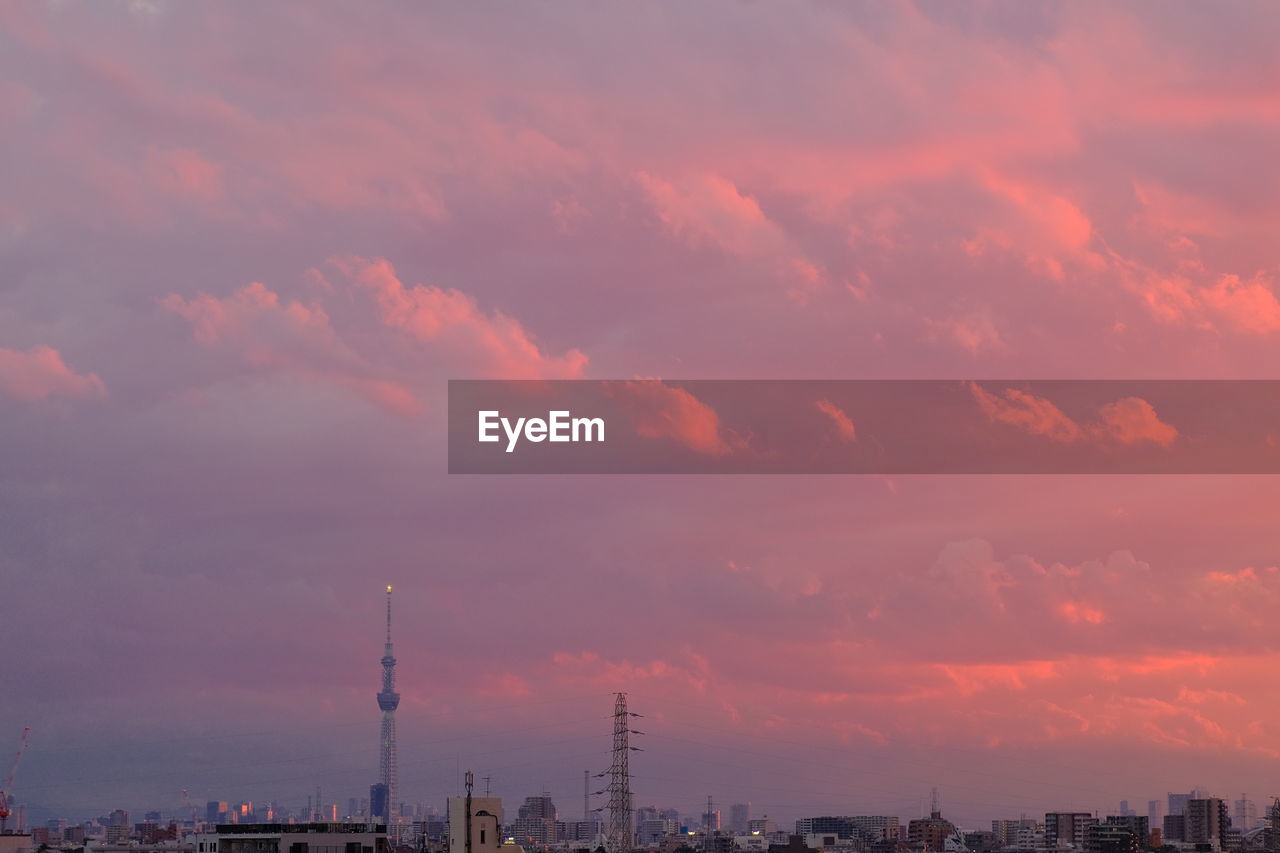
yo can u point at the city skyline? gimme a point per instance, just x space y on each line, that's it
926 802
539 822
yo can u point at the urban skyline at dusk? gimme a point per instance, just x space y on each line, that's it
787 807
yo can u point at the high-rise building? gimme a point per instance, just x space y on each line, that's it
1155 814
1114 837
1136 824
1206 822
980 841
378 801
653 831
930 833
581 830
872 828
1178 802
1013 832
867 828
536 821
388 701
1244 813
1122 833
1067 828
739 816
841 826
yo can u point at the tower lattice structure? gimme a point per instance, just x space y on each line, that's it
619 833
388 701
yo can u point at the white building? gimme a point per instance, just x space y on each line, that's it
486 825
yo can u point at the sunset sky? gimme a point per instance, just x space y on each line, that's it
243 248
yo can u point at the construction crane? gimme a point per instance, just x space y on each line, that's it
5 811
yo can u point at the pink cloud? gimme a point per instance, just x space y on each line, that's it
1181 297
1128 421
490 345
1251 306
1075 612
185 172
975 332
1028 412
213 319
1042 226
969 679
1132 420
843 424
658 410
270 334
1057 220
39 373
710 210
686 669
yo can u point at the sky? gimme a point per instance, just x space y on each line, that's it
244 246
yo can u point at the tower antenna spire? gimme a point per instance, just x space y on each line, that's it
388 701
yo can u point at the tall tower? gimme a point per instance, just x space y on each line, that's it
619 834
388 701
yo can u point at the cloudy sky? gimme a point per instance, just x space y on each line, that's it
242 248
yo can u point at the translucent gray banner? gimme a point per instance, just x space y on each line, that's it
864 427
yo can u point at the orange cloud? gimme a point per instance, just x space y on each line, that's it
40 373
